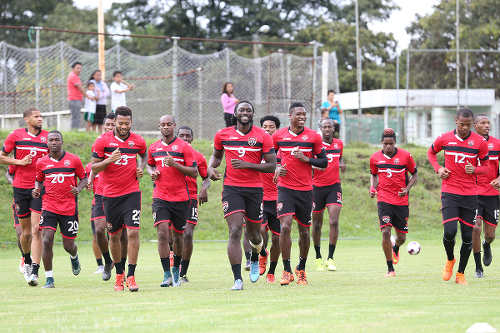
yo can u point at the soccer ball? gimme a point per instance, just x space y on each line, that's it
393 240
414 248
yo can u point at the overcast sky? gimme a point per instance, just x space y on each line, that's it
397 24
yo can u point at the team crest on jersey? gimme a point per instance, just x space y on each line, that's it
490 146
225 206
131 144
305 137
471 143
174 147
252 141
43 139
335 145
66 162
279 207
113 144
396 161
386 219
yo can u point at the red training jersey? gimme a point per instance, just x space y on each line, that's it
119 178
23 143
484 180
57 177
97 186
171 185
249 147
330 175
392 175
299 174
457 153
201 164
268 184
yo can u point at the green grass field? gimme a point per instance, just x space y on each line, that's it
356 298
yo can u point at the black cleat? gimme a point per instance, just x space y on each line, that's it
75 266
106 273
487 257
479 273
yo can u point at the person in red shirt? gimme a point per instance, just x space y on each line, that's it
327 192
488 202
186 133
75 93
244 146
389 182
27 145
115 154
170 160
58 173
300 149
463 149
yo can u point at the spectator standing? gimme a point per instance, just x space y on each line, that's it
103 91
118 89
228 103
75 94
331 109
91 97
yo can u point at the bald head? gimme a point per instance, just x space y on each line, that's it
167 127
167 118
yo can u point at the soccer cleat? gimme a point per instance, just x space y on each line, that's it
448 269
390 274
263 263
27 273
302 279
175 276
21 266
460 279
49 283
238 285
33 280
119 282
183 279
286 278
106 273
254 271
319 264
479 273
99 270
167 279
330 265
270 278
247 266
487 257
75 265
132 286
395 257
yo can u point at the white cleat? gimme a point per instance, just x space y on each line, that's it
27 273
99 270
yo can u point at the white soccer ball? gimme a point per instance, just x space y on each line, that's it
393 240
414 248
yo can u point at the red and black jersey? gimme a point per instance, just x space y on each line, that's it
330 175
201 163
299 174
392 172
249 147
484 180
268 185
457 152
119 178
95 181
58 176
97 186
171 185
22 143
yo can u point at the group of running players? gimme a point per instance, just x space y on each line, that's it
273 176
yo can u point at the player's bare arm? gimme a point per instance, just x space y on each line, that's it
373 185
81 185
5 159
36 191
99 164
321 161
405 190
203 195
215 161
268 167
142 165
342 164
190 171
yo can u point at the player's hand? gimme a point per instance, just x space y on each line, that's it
299 155
443 173
203 196
74 190
139 173
115 155
238 164
469 168
276 174
169 160
35 192
280 172
404 191
26 160
373 192
213 174
496 183
89 186
342 166
155 175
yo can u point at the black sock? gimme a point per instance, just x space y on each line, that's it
263 252
124 260
27 258
107 258
119 267
99 262
236 271
131 270
254 257
331 250
165 263
390 267
248 255
184 267
272 267
317 248
286 265
464 256
302 264
477 259
35 268
448 246
177 261
395 248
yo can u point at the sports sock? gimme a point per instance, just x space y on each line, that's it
477 259
448 246
302 264
286 265
395 248
248 255
124 260
131 270
99 262
119 267
49 274
263 252
107 258
254 256
177 260
35 268
464 256
165 263
317 248
331 250
184 267
236 271
272 267
27 258
390 267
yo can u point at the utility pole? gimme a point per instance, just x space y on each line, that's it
457 39
100 30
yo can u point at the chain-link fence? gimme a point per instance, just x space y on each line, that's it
177 82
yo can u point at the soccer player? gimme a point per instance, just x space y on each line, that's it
186 133
327 192
115 154
270 221
58 173
389 182
301 148
170 160
488 203
28 145
244 146
462 151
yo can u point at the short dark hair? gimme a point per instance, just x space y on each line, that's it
115 73
295 105
187 128
90 82
480 115
29 111
124 111
388 133
465 113
330 91
75 64
242 102
56 132
274 119
111 116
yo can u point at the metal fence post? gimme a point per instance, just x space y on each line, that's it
407 93
200 103
313 97
118 56
398 110
61 61
283 84
174 75
288 79
5 78
228 65
37 67
258 81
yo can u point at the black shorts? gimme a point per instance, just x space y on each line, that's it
174 213
487 210
270 219
462 208
192 216
324 196
229 119
247 200
14 215
97 208
100 114
68 224
123 211
296 203
393 215
25 203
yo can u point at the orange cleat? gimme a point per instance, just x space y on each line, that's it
286 278
302 279
390 274
132 286
448 269
395 257
263 263
119 282
460 279
270 278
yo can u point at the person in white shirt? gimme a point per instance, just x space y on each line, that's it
102 88
118 89
91 97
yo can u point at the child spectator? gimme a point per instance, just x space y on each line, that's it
118 89
91 97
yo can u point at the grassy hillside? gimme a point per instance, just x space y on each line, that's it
358 218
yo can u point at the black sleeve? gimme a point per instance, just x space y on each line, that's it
321 161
